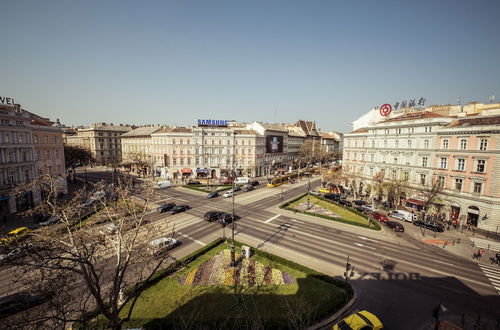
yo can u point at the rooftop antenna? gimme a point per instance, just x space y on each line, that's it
491 98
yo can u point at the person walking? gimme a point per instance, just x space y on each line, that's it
481 252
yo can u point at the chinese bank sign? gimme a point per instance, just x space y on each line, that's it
212 123
386 109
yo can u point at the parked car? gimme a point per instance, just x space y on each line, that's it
403 215
227 218
344 202
212 215
162 243
14 235
235 189
227 194
163 185
193 182
49 221
434 226
179 209
213 194
254 183
360 209
315 192
165 207
249 188
362 320
359 202
368 209
109 229
11 255
333 197
396 226
380 217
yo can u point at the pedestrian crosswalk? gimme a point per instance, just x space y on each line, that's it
493 274
486 244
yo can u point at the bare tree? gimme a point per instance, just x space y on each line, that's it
430 193
85 264
141 161
312 150
332 178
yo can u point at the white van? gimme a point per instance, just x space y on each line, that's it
242 180
404 215
163 185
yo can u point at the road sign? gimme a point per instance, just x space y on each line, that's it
385 110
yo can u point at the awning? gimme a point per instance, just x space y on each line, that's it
415 202
202 170
4 198
185 170
472 210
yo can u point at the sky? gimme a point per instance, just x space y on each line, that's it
173 62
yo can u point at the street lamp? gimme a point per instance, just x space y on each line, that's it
233 252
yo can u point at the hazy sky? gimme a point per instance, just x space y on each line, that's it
172 62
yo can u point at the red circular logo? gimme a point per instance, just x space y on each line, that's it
385 110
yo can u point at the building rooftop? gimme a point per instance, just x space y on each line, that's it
476 121
361 130
273 127
329 136
142 131
246 131
414 116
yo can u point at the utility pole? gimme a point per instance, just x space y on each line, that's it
349 270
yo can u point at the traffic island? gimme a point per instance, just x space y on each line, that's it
263 291
209 189
326 209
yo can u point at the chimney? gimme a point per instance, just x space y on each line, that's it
17 107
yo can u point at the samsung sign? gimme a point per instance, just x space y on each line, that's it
212 122
7 100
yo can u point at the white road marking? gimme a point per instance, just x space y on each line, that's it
368 239
271 219
366 246
191 238
298 221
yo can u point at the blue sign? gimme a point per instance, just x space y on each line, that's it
212 122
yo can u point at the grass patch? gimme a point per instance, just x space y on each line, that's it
169 304
346 214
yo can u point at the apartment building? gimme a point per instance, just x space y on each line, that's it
419 147
17 162
137 146
49 150
102 139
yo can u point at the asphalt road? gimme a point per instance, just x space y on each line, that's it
396 277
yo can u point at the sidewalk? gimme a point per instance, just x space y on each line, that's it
462 244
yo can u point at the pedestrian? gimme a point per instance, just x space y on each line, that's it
481 252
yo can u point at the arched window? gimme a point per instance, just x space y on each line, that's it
463 144
445 144
426 144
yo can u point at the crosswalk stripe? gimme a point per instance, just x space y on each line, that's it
493 275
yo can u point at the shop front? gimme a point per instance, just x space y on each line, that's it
202 173
415 204
472 216
454 214
186 173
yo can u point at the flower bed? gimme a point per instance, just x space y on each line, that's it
249 272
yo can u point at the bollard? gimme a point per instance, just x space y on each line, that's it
472 243
458 240
434 234
488 247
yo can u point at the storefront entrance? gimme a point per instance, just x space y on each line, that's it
472 216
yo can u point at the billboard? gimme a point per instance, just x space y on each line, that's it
274 144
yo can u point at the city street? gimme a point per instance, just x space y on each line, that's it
396 276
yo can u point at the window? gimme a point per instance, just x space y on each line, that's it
46 139
36 138
57 154
38 155
445 144
463 144
460 164
394 173
47 155
444 163
173 141
55 139
478 187
372 157
424 161
396 143
481 165
21 138
426 144
395 160
441 181
406 175
422 178
483 144
409 143
373 144
458 184
385 143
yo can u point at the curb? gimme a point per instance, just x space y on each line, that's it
335 316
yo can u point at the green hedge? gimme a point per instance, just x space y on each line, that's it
375 225
201 188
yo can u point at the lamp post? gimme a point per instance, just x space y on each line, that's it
233 252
